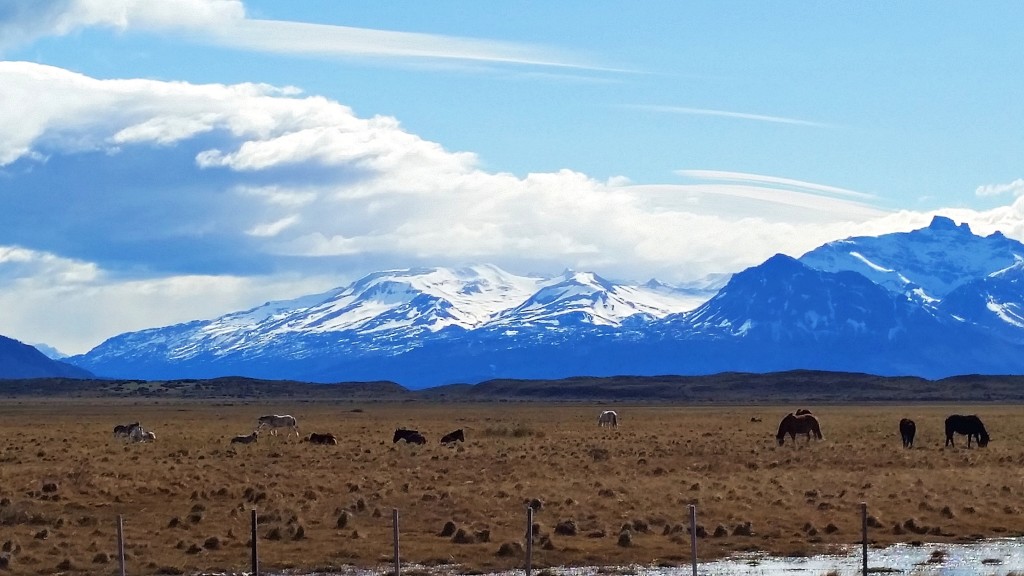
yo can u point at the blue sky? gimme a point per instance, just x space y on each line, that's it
174 160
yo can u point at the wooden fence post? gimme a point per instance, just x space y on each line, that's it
255 559
394 525
529 539
120 542
693 536
864 536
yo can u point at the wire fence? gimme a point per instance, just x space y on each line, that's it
528 540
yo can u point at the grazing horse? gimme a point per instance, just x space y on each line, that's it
454 436
907 431
125 430
410 436
246 439
273 421
970 426
140 435
793 425
327 438
608 418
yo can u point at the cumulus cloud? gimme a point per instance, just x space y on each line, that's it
152 202
23 22
1015 188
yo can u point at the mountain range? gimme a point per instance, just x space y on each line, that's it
933 302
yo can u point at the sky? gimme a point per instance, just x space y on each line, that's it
169 161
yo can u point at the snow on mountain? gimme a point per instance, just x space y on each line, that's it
933 302
427 299
925 264
584 298
394 311
785 300
994 302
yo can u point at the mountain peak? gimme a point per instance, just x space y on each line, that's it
944 223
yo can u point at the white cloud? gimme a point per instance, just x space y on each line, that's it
74 318
274 228
727 114
785 183
304 187
224 22
1015 188
28 21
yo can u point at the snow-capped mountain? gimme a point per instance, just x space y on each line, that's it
933 302
994 302
783 300
385 314
926 264
584 298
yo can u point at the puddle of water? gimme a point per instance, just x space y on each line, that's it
997 557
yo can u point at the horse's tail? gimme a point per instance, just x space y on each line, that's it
817 430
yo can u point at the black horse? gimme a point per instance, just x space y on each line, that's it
970 426
410 436
455 436
325 438
793 425
907 431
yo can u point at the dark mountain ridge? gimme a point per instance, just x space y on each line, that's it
19 360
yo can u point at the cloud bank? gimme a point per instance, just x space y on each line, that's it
149 202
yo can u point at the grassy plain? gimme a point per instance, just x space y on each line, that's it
186 498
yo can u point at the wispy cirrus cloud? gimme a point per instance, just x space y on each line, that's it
684 110
744 177
225 23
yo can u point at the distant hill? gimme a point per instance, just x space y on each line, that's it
19 360
798 388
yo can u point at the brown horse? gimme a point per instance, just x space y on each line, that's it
793 425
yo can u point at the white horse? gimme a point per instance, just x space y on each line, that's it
140 435
608 418
273 421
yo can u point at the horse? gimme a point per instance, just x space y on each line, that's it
125 430
970 426
907 431
802 411
327 438
455 436
273 421
410 436
793 425
608 418
246 439
140 435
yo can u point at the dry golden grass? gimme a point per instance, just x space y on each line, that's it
186 498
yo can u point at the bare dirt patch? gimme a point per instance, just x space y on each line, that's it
186 498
